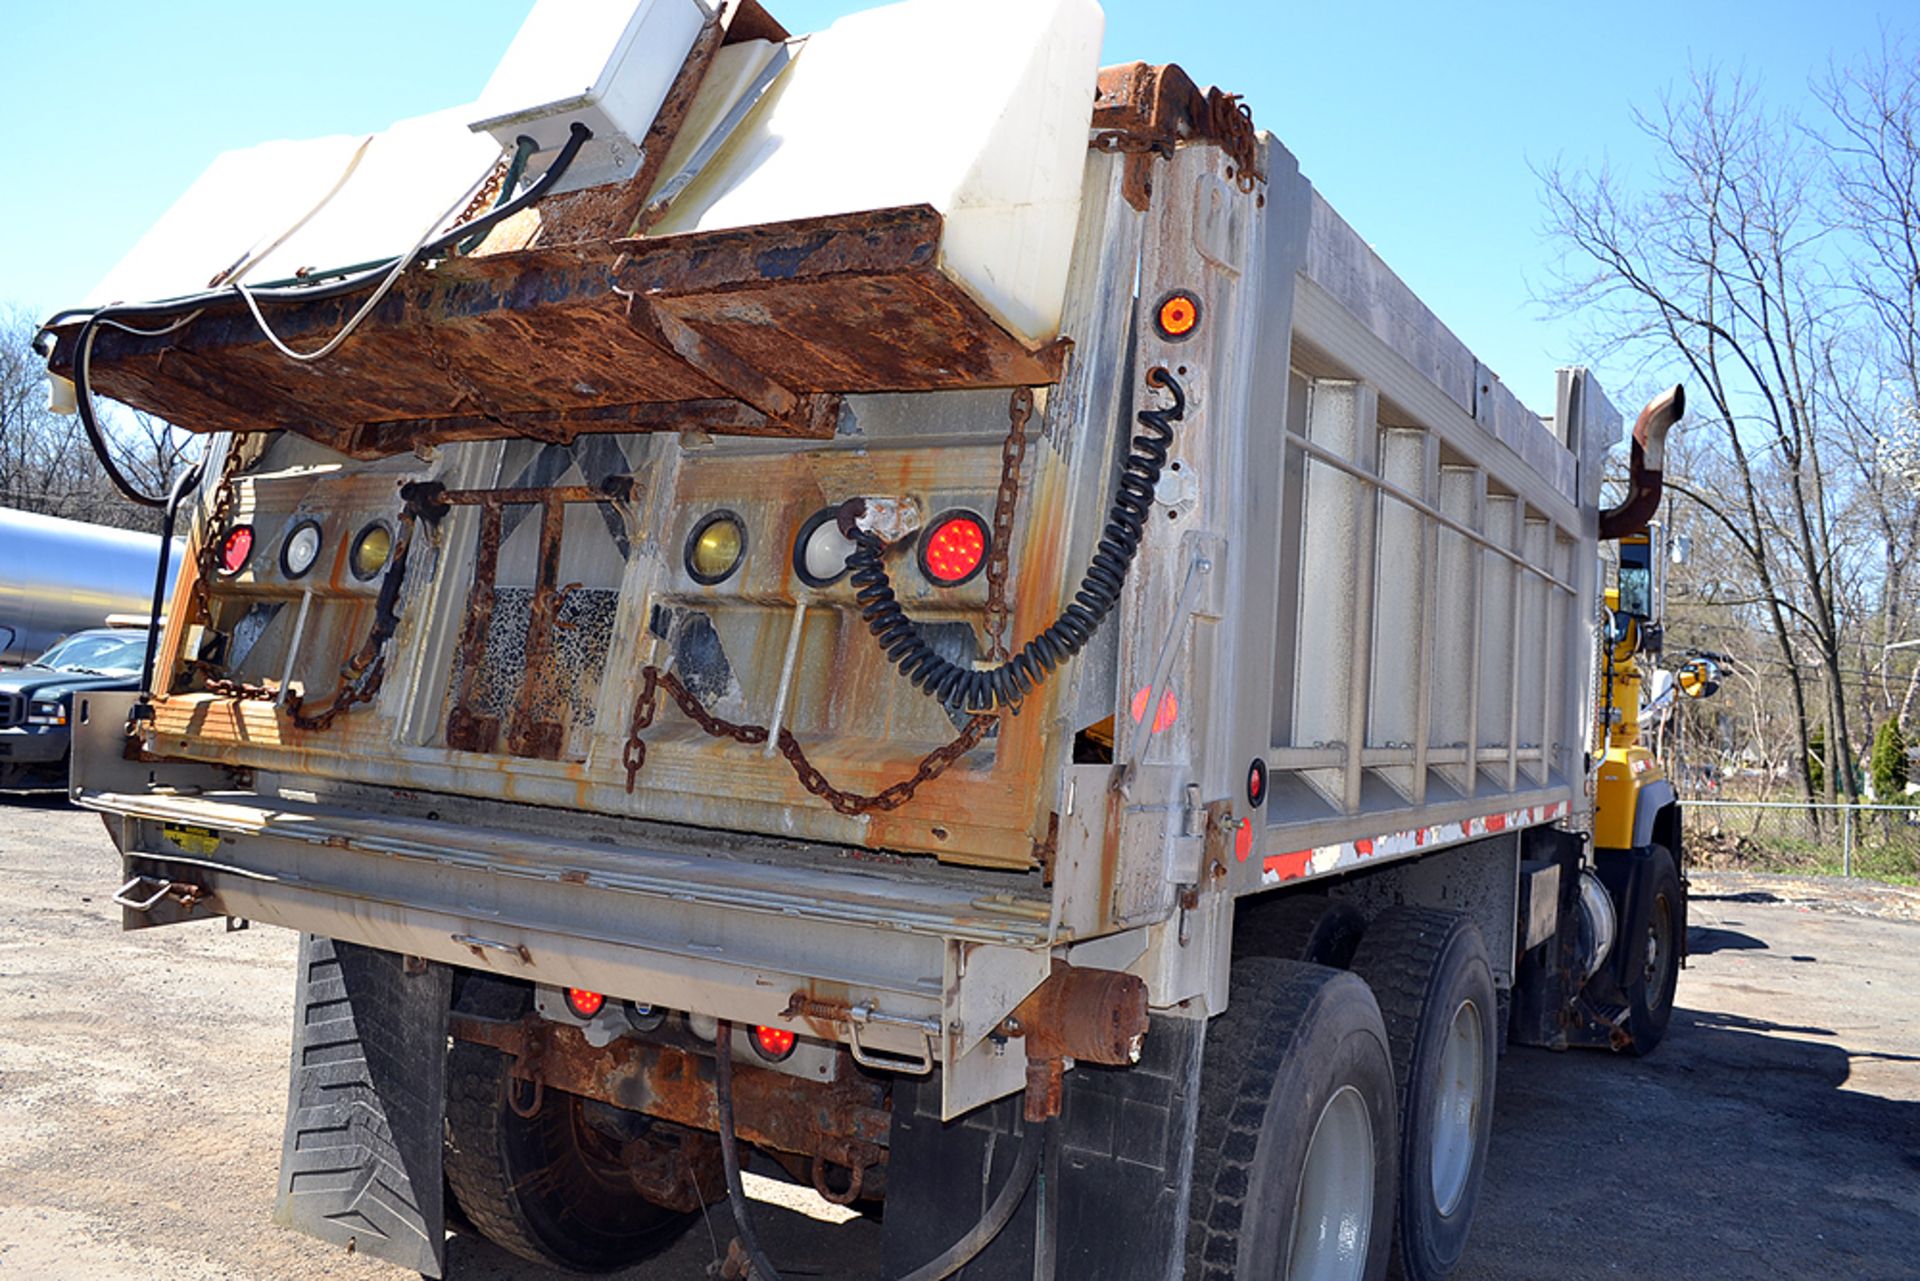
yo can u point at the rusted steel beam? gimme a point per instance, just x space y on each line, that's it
724 417
846 1121
497 498
771 314
468 731
744 382
1145 111
534 730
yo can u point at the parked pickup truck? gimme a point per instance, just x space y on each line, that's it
36 702
899 600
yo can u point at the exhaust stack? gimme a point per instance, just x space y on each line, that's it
1648 461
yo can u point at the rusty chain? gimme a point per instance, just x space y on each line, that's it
207 563
1013 451
633 756
646 706
489 189
1231 122
362 675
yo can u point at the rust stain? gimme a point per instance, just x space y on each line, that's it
545 339
846 1120
1144 111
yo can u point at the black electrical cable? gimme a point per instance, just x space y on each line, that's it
944 1264
182 485
173 309
1006 685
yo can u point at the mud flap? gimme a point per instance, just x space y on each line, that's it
1111 1198
360 1163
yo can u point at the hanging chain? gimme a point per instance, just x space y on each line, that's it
363 674
646 706
932 765
208 563
1013 451
484 196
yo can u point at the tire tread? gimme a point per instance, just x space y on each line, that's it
1236 1078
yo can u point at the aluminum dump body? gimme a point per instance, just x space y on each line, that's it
1356 629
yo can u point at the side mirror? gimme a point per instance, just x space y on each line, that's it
1682 550
1698 678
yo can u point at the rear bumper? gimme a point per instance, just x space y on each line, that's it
727 925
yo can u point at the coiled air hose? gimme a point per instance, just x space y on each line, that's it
945 1264
1006 685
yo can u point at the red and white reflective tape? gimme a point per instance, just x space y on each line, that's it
1321 859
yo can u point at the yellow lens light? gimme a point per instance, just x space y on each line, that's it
371 551
715 549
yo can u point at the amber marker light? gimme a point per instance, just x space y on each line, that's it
1178 315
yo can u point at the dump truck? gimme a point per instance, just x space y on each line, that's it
893 606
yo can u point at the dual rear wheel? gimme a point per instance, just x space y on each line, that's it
1344 1116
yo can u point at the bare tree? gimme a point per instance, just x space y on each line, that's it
1718 266
1874 106
46 462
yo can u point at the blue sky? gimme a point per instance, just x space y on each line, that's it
1417 120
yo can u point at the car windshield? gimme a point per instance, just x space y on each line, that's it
100 653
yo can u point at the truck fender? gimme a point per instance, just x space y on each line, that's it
1648 801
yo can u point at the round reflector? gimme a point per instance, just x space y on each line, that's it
372 549
301 548
954 549
1178 315
584 1003
715 548
235 548
773 1043
820 551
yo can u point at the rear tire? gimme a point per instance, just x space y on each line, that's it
1653 963
1429 972
1294 1153
550 1187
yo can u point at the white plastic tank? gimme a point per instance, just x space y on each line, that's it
979 108
363 197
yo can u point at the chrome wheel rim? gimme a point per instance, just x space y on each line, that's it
1333 1213
1456 1120
1658 959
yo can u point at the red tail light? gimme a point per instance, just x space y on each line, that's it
954 549
235 548
774 1043
584 1003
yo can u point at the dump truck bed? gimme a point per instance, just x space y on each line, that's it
1353 632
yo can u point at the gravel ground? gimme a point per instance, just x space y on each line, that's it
1775 1134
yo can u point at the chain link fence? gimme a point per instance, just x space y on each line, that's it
1876 842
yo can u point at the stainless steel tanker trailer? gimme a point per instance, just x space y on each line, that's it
59 576
894 605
